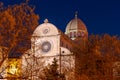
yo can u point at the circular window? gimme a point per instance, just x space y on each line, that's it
46 30
46 46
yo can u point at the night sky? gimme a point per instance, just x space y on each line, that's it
100 16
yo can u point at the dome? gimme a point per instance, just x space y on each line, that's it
75 24
75 28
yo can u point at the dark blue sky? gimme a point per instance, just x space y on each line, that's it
100 16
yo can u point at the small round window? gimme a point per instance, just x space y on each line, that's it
46 46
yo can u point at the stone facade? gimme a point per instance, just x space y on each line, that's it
47 43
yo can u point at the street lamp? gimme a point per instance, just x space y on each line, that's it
13 70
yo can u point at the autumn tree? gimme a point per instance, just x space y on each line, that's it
32 66
96 61
17 23
52 73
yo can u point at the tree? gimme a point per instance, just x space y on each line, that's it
96 61
17 23
32 66
52 73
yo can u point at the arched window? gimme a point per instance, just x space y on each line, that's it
70 34
75 34
79 34
82 34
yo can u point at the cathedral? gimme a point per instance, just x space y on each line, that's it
48 42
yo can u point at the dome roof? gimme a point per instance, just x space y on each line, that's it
75 24
76 28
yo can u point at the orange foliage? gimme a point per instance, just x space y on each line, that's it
17 23
97 60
